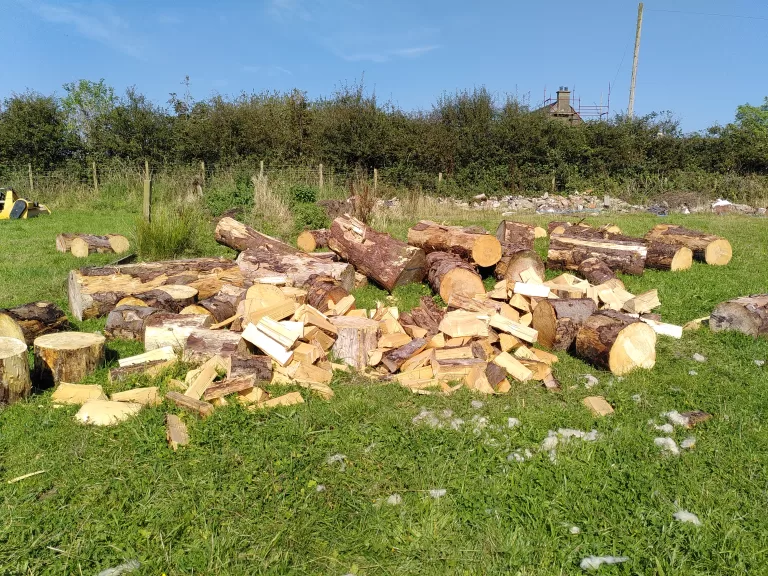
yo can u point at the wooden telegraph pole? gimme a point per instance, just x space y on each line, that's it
631 109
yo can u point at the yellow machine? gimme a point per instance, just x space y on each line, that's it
14 207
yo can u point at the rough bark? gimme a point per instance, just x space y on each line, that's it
517 234
28 321
382 258
171 298
127 322
558 321
323 292
356 337
427 315
67 357
617 342
240 237
510 266
223 304
472 244
748 314
621 253
83 244
448 274
596 271
393 359
297 267
204 344
670 257
15 382
707 248
311 240
260 367
166 329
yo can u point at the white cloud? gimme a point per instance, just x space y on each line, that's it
387 55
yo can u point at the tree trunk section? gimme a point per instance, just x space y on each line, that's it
621 253
472 244
707 248
204 344
28 321
172 298
595 271
223 304
311 240
516 234
356 337
448 274
15 382
95 291
393 359
382 258
558 321
669 257
127 322
240 237
67 357
617 342
748 314
323 292
83 244
297 267
510 267
166 329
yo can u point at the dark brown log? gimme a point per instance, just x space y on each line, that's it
173 298
228 386
81 245
568 250
671 257
448 274
515 236
297 267
199 407
427 315
28 321
558 321
397 357
95 291
204 344
384 259
323 292
707 248
311 240
260 367
617 342
127 322
748 314
472 244
495 374
595 271
510 266
223 304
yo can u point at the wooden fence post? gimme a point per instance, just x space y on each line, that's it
202 170
261 169
320 175
147 193
375 178
31 182
440 178
95 178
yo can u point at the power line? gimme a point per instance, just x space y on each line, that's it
708 14
620 63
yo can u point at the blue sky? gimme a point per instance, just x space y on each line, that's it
698 66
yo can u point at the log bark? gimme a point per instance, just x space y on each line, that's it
223 304
472 244
323 292
67 357
382 258
356 337
595 271
298 267
127 322
670 257
617 342
95 291
240 237
204 344
748 314
558 227
558 321
510 266
707 248
427 315
621 253
81 245
517 234
260 367
311 240
150 369
28 321
15 382
171 298
166 329
393 359
448 274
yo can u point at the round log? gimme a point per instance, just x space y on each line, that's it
297 267
223 304
472 244
166 329
595 271
127 322
558 321
67 357
708 248
510 267
617 342
517 234
671 257
448 274
15 383
85 244
28 321
356 337
240 237
311 240
130 301
323 292
570 248
748 315
172 297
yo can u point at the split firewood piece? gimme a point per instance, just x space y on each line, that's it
15 382
568 250
199 407
417 379
262 264
205 343
483 349
480 304
165 329
500 291
313 335
477 380
520 302
448 274
394 340
150 369
544 356
671 257
284 335
393 359
527 289
513 367
596 271
252 396
28 321
81 245
270 347
96 291
148 396
663 329
420 360
252 310
460 352
298 295
175 432
461 323
127 322
617 342
289 399
517 234
223 304
514 328
67 356
550 382
643 303
323 292
228 386
539 370
311 240
455 370
748 315
307 353
67 393
202 378
106 412
696 323
312 316
260 367
497 377
472 244
160 354
558 321
356 337
707 248
597 405
382 258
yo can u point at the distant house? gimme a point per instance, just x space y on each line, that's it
560 108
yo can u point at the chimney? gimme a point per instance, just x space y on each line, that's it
563 100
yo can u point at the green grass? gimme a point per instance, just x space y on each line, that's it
243 498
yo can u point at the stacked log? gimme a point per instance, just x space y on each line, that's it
473 244
511 267
127 322
515 236
620 343
223 304
311 240
28 321
567 250
668 257
165 329
15 383
748 315
448 274
596 271
323 292
708 248
81 245
558 321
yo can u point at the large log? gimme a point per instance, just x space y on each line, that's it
621 253
323 292
558 321
356 337
448 274
67 357
171 298
81 245
223 304
297 267
203 344
311 240
28 321
612 340
15 383
596 271
166 329
382 258
241 237
707 248
670 257
748 314
472 244
95 291
512 265
517 234
127 322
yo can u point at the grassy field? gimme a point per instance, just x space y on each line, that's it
260 492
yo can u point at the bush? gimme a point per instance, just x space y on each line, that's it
222 198
172 233
302 194
309 217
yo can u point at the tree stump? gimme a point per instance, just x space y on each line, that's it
707 248
127 322
568 250
616 341
28 321
516 234
311 240
472 244
382 258
67 357
323 292
166 329
558 321
81 245
448 274
15 383
356 337
510 266
670 257
595 271
748 314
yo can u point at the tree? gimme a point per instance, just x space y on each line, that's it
84 105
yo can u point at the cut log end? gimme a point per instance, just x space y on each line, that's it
718 252
682 260
635 347
748 315
9 328
67 356
486 250
462 282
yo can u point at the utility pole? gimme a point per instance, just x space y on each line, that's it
631 109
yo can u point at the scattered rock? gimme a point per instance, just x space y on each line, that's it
688 443
591 381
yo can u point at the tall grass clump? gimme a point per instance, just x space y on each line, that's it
174 232
271 213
